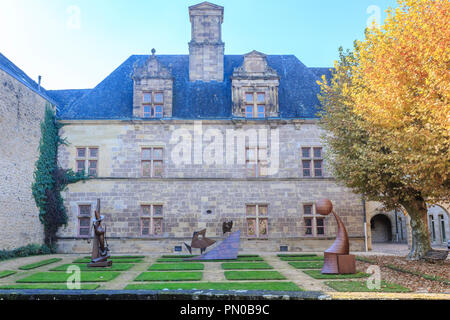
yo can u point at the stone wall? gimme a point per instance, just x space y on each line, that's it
188 191
21 112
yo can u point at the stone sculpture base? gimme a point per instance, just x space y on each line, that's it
339 263
101 264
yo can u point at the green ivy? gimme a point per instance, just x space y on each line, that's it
50 180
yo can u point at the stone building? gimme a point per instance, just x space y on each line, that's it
178 143
22 106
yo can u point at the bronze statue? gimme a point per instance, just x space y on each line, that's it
337 259
200 242
100 250
227 226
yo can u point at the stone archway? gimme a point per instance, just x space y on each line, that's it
381 229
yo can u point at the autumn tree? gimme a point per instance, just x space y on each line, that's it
387 112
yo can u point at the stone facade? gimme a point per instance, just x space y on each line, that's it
206 49
21 112
196 195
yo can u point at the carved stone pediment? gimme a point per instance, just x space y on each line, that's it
151 69
255 66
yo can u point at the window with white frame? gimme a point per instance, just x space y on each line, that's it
152 104
87 160
257 220
255 105
151 220
84 220
312 161
152 162
314 224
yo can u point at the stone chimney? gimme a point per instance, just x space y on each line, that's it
206 49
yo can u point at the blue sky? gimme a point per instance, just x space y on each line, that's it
75 44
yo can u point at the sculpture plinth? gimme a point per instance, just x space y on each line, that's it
337 259
100 250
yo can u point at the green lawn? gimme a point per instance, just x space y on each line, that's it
169 276
316 274
176 266
246 258
307 264
48 286
6 273
119 257
246 265
39 264
115 260
84 267
361 286
302 258
51 277
254 275
267 286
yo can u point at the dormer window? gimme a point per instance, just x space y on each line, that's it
255 105
153 105
152 89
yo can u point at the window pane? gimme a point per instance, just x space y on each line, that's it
158 111
261 112
263 210
93 167
317 152
307 209
319 222
158 153
145 231
147 111
146 210
147 98
249 111
157 168
85 210
308 226
251 210
249 97
84 231
159 97
318 168
80 166
251 227
146 168
157 227
261 97
263 227
85 222
306 168
158 210
81 152
93 152
145 227
146 154
306 152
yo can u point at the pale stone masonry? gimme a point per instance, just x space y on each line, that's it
187 192
181 143
21 112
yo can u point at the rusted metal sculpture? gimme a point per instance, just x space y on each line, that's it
227 226
337 259
199 241
100 250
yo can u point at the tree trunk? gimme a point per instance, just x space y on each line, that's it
417 211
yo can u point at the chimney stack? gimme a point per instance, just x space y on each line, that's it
206 49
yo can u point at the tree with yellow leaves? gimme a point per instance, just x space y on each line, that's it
388 114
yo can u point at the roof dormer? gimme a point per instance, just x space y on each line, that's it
152 89
255 88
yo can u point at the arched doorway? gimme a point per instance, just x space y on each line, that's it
381 229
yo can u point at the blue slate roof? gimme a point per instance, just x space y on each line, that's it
15 72
113 97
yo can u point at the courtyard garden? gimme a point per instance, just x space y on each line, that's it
282 272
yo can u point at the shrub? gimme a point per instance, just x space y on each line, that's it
29 250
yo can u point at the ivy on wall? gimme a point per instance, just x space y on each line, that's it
50 180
